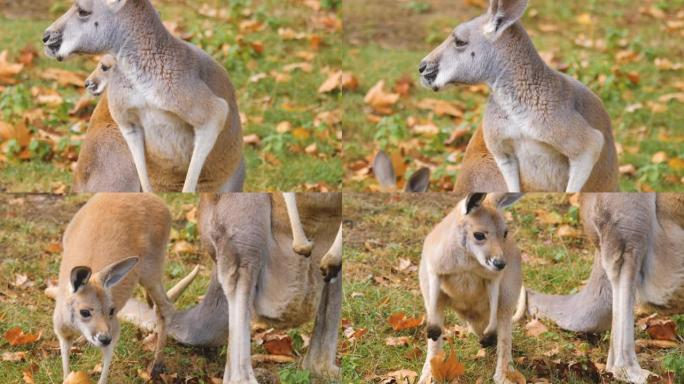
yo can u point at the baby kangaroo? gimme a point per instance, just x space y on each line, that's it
112 243
471 265
174 104
545 130
97 82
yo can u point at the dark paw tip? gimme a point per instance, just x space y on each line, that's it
488 340
331 272
434 332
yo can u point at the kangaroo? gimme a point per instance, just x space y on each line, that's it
98 80
111 244
545 130
175 105
387 177
300 244
258 276
470 264
640 260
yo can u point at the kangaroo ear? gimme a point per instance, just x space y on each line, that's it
473 201
115 5
79 278
419 181
501 15
114 273
504 200
384 171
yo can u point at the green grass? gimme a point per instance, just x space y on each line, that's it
383 228
264 103
387 43
28 224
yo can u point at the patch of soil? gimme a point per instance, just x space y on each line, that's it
393 24
26 9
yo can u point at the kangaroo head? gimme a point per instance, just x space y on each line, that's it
99 79
470 54
90 305
88 27
482 229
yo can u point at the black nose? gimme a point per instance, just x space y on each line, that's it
423 67
89 84
105 340
498 264
46 37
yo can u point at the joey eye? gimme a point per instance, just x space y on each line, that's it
479 236
106 68
85 313
459 43
83 13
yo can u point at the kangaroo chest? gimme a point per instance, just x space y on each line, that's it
467 295
169 141
541 167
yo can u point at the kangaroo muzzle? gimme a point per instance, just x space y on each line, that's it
497 263
428 72
52 41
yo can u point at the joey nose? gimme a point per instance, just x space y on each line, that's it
46 36
422 67
498 264
105 340
89 84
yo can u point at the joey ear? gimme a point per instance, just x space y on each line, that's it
384 171
473 201
419 181
504 200
114 273
501 15
115 5
79 278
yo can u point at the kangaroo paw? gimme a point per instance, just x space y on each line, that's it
488 340
303 249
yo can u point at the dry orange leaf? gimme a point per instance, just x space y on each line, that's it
339 81
18 132
63 77
79 377
397 341
54 248
676 164
662 329
279 345
8 69
446 370
516 377
535 328
399 321
379 100
441 107
16 336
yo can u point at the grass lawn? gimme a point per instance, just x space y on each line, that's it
617 48
31 227
254 40
383 241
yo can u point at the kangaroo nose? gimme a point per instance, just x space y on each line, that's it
89 84
46 37
105 340
423 67
498 264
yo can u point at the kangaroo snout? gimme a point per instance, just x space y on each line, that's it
104 339
498 264
428 71
53 42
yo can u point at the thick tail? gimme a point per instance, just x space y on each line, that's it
589 310
521 308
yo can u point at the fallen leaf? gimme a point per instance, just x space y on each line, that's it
79 377
64 77
399 321
661 344
662 329
516 377
568 231
279 345
16 336
252 139
397 341
280 359
446 370
535 328
379 100
54 247
441 107
13 356
403 375
183 247
339 81
659 157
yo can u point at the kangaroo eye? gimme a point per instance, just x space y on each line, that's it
111 312
105 68
460 43
83 13
85 313
479 236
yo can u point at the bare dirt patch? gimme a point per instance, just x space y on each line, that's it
395 24
25 9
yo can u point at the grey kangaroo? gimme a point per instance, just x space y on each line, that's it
640 260
545 130
174 104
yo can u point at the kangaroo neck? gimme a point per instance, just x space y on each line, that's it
146 45
522 81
